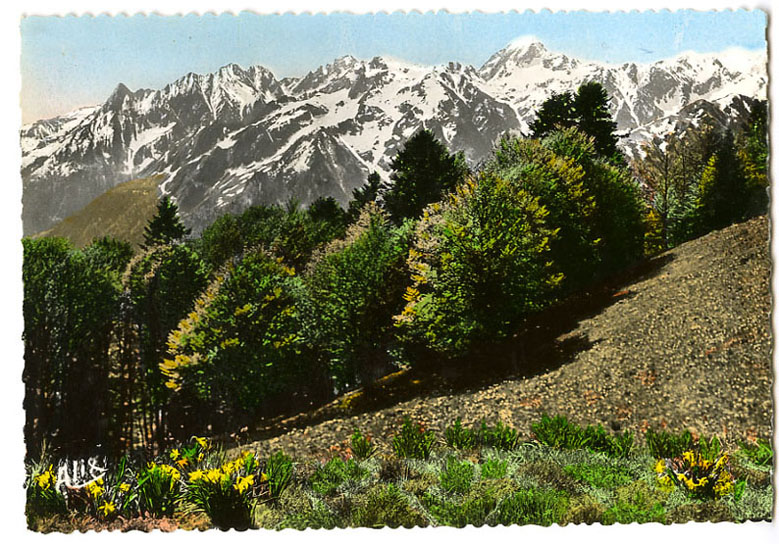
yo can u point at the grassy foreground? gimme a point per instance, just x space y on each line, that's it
478 476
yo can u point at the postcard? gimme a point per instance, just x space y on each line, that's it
403 269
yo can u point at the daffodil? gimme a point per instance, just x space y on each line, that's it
107 508
175 454
124 488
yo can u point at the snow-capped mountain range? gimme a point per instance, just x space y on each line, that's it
237 137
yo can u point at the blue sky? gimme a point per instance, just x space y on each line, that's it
69 62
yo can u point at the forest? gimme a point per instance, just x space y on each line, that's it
282 308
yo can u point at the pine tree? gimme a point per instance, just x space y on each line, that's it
591 105
165 226
362 195
556 112
588 110
422 172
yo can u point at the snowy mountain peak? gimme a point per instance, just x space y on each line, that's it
239 136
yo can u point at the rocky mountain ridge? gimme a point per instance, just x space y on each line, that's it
237 137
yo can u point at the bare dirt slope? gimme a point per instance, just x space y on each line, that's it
682 342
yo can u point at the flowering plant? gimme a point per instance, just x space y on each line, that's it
697 475
225 493
158 488
42 494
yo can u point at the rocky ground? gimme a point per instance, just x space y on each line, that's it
683 341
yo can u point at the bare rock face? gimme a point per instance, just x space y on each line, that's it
238 136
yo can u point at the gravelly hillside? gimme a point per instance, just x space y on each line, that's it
685 343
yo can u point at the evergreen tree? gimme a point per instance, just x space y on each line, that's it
723 195
165 226
753 154
588 110
421 173
362 195
591 105
556 112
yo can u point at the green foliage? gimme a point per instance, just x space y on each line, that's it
362 195
723 196
351 293
226 493
362 446
594 206
532 506
413 441
71 299
478 265
587 110
165 227
665 445
558 432
335 472
500 436
753 154
384 505
456 476
422 172
494 469
474 508
599 475
241 346
158 489
290 233
43 498
278 471
458 437
109 253
635 503
760 453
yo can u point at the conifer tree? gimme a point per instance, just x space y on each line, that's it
165 226
362 195
422 173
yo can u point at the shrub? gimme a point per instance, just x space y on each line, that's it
663 445
362 447
760 453
413 441
225 493
158 489
457 476
635 503
335 472
558 432
278 472
494 469
458 437
536 506
599 475
384 505
479 264
500 437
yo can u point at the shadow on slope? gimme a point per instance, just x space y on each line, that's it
544 342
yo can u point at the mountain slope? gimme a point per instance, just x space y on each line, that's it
682 342
121 212
240 136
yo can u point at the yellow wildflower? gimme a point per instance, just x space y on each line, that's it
660 466
199 456
196 475
243 483
202 441
175 454
107 508
124 488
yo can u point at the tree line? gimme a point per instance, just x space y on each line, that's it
283 307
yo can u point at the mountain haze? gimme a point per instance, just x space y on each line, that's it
238 137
